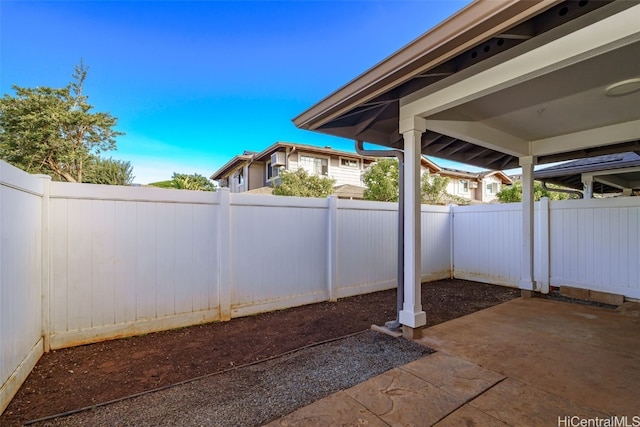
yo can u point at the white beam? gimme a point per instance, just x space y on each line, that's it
598 137
600 37
480 134
613 181
618 171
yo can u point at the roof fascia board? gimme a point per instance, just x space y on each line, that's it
307 148
231 165
612 171
472 25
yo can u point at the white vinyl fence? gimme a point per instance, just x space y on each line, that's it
21 277
595 244
132 260
81 263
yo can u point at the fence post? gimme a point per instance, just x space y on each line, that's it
544 246
452 264
332 247
224 255
45 279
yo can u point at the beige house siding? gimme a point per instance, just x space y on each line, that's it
256 175
351 175
344 167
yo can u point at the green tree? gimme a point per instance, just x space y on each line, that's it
433 189
54 131
108 171
182 181
302 184
381 181
194 181
513 193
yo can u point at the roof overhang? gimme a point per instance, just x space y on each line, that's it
608 174
499 81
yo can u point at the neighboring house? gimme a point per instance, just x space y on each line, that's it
476 186
256 173
608 174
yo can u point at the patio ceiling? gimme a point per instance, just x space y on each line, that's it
503 80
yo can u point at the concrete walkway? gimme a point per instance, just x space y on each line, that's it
527 362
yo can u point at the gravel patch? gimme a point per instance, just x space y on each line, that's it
259 393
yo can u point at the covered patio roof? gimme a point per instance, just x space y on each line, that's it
498 85
611 173
502 80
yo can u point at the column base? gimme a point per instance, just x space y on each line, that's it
413 320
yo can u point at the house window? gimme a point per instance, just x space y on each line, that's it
464 186
240 177
350 163
492 188
314 165
272 172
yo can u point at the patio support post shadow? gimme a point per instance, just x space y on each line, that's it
412 315
526 276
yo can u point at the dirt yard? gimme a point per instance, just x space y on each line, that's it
77 377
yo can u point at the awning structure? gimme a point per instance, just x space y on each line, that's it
611 173
498 85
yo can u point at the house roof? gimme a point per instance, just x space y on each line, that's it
610 172
348 191
231 165
261 191
476 175
503 80
249 156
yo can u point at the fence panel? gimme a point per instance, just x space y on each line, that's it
594 244
278 252
487 243
130 260
366 247
21 275
435 230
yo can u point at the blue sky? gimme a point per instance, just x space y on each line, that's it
195 83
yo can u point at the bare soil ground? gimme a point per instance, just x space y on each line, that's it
73 378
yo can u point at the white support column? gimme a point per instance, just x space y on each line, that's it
526 275
411 314
587 182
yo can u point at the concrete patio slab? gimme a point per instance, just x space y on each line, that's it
457 377
519 404
469 416
337 409
587 354
528 361
401 398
